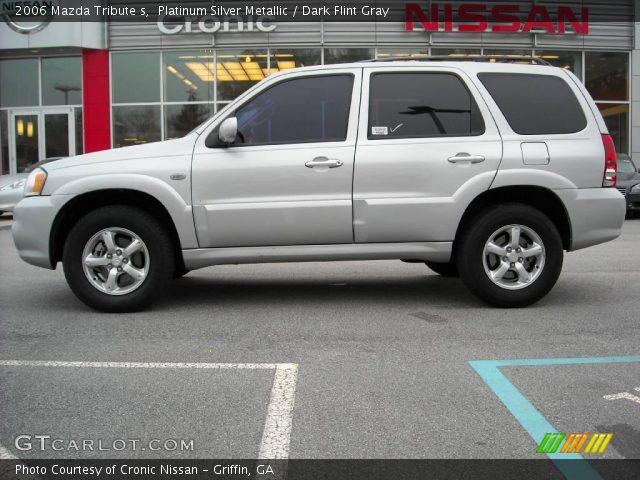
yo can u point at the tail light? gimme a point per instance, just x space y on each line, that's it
610 162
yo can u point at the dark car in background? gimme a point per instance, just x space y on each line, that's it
629 183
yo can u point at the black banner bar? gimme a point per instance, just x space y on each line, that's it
307 469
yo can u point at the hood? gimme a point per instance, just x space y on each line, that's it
9 179
154 150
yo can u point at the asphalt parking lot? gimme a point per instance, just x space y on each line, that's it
382 353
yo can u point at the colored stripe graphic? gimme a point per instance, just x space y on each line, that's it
551 442
581 443
535 424
598 443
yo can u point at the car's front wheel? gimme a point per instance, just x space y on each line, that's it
510 255
118 259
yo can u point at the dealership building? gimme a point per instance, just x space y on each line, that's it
73 87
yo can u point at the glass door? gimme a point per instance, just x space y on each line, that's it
38 134
59 133
24 139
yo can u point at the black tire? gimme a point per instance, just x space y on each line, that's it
471 263
448 270
150 231
180 272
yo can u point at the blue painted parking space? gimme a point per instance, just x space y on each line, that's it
533 421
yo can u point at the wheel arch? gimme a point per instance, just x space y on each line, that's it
537 197
86 202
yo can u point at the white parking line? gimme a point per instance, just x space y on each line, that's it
6 454
277 427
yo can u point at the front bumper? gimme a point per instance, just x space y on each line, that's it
33 219
9 199
596 215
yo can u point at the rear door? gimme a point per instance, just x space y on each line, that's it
427 145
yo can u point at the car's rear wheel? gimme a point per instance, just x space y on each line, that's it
118 259
449 269
510 255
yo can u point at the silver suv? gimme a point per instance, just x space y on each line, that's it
489 171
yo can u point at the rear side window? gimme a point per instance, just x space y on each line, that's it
535 104
415 105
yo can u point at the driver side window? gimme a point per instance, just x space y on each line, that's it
301 110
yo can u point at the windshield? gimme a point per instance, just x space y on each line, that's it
626 166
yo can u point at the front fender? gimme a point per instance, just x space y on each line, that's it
179 210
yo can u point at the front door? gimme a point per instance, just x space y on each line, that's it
287 179
38 134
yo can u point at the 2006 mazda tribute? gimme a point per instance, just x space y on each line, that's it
489 171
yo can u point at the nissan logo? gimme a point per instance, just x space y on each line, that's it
13 12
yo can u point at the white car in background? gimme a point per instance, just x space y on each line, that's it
12 187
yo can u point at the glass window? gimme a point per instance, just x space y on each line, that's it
56 135
188 76
455 52
286 58
19 83
135 77
408 53
616 116
626 166
347 55
607 75
181 119
135 124
417 105
517 52
239 70
4 142
548 107
571 61
26 141
312 109
79 131
62 81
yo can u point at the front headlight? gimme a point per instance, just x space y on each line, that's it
635 189
35 182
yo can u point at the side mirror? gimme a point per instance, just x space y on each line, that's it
228 131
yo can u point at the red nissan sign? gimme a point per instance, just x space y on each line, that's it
479 17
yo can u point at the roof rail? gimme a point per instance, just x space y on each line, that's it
467 58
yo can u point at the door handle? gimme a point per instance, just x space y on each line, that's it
323 162
465 157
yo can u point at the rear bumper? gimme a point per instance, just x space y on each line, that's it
32 222
596 215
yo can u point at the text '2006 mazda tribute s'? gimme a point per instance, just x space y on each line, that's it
489 171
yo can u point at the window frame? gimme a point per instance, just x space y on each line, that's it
377 138
212 137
